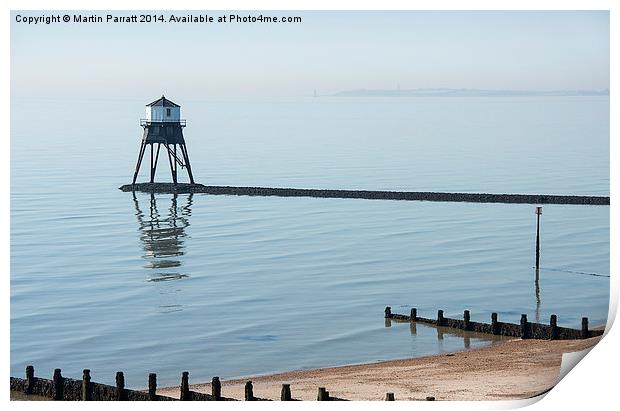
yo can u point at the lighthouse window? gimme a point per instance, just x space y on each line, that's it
167 112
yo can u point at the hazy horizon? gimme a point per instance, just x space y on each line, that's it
329 51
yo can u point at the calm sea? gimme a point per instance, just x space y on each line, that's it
235 286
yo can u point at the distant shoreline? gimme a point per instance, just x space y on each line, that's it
456 92
515 369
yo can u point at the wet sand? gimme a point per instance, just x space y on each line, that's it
514 369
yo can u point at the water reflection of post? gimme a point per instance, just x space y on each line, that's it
440 339
537 284
413 328
163 236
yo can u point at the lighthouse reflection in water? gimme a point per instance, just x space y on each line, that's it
162 224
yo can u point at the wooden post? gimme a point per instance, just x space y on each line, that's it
414 314
29 379
388 312
524 333
389 396
466 319
439 317
87 393
285 395
323 394
152 386
58 382
120 386
553 327
185 395
249 391
216 388
584 328
538 213
494 325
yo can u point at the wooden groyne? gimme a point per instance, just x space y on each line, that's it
524 329
60 388
366 194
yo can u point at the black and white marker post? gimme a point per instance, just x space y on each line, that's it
538 214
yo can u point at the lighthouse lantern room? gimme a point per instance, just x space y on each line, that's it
163 126
163 110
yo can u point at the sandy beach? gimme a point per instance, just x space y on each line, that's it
514 369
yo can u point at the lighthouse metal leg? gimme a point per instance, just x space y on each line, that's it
154 165
186 158
140 155
172 170
176 163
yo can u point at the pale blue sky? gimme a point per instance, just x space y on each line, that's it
328 51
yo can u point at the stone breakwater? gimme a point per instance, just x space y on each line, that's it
368 195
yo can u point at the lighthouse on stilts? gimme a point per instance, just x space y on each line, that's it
163 126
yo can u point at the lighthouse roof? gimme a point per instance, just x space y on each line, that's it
164 102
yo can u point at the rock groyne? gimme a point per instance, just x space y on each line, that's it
368 194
